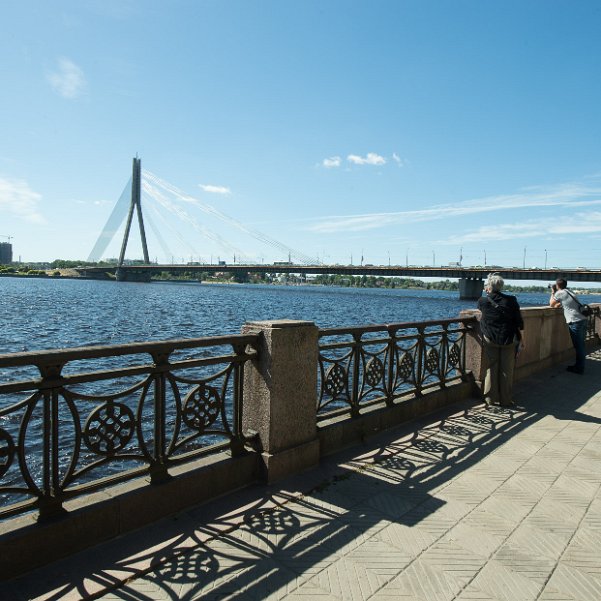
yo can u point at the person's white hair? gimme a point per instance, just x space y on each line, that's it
495 282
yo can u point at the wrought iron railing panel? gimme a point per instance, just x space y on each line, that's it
100 415
591 330
359 367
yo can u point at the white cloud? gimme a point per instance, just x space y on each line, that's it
69 80
397 159
215 189
579 223
370 159
332 162
564 195
18 199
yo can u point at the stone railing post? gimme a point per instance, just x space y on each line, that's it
280 396
475 360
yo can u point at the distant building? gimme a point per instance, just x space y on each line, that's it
6 253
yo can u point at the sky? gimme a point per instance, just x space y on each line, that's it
398 132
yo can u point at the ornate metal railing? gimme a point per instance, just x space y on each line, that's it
363 366
66 431
591 325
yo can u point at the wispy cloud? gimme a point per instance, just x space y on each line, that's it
371 158
68 80
579 223
332 162
564 195
397 159
18 199
215 189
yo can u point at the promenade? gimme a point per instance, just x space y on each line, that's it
471 503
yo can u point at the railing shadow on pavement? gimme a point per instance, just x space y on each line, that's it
243 547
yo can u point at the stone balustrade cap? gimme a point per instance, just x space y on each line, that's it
280 323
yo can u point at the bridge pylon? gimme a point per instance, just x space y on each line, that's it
135 204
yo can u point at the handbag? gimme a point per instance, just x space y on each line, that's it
585 310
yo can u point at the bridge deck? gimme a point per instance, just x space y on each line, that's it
478 273
470 504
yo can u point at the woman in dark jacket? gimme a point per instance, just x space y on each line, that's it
501 325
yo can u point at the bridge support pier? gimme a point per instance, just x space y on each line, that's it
125 275
470 288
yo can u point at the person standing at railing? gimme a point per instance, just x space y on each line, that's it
502 332
562 297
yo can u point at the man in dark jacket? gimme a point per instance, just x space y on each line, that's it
501 325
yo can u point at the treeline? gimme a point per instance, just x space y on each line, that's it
22 270
372 281
62 264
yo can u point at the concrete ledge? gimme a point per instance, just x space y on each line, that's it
26 544
342 432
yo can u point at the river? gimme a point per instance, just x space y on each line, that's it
45 314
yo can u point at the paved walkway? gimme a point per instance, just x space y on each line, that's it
475 504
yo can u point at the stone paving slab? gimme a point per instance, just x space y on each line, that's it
474 503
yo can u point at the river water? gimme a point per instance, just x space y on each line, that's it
45 314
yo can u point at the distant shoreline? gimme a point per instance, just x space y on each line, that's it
73 276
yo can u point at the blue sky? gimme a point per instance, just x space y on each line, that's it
403 131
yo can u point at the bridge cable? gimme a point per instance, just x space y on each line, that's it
112 225
209 209
160 198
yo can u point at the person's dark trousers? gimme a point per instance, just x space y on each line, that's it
498 380
578 333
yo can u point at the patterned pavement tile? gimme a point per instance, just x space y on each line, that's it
460 564
490 523
503 584
413 540
352 580
522 561
505 508
474 539
469 490
560 512
396 504
422 581
537 542
568 582
473 593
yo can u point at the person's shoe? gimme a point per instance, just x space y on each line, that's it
573 369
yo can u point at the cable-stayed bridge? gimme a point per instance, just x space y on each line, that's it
164 198
161 194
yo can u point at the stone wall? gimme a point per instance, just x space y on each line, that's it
546 337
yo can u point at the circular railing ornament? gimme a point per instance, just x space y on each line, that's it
374 372
201 407
335 380
432 360
7 451
405 365
109 428
454 355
